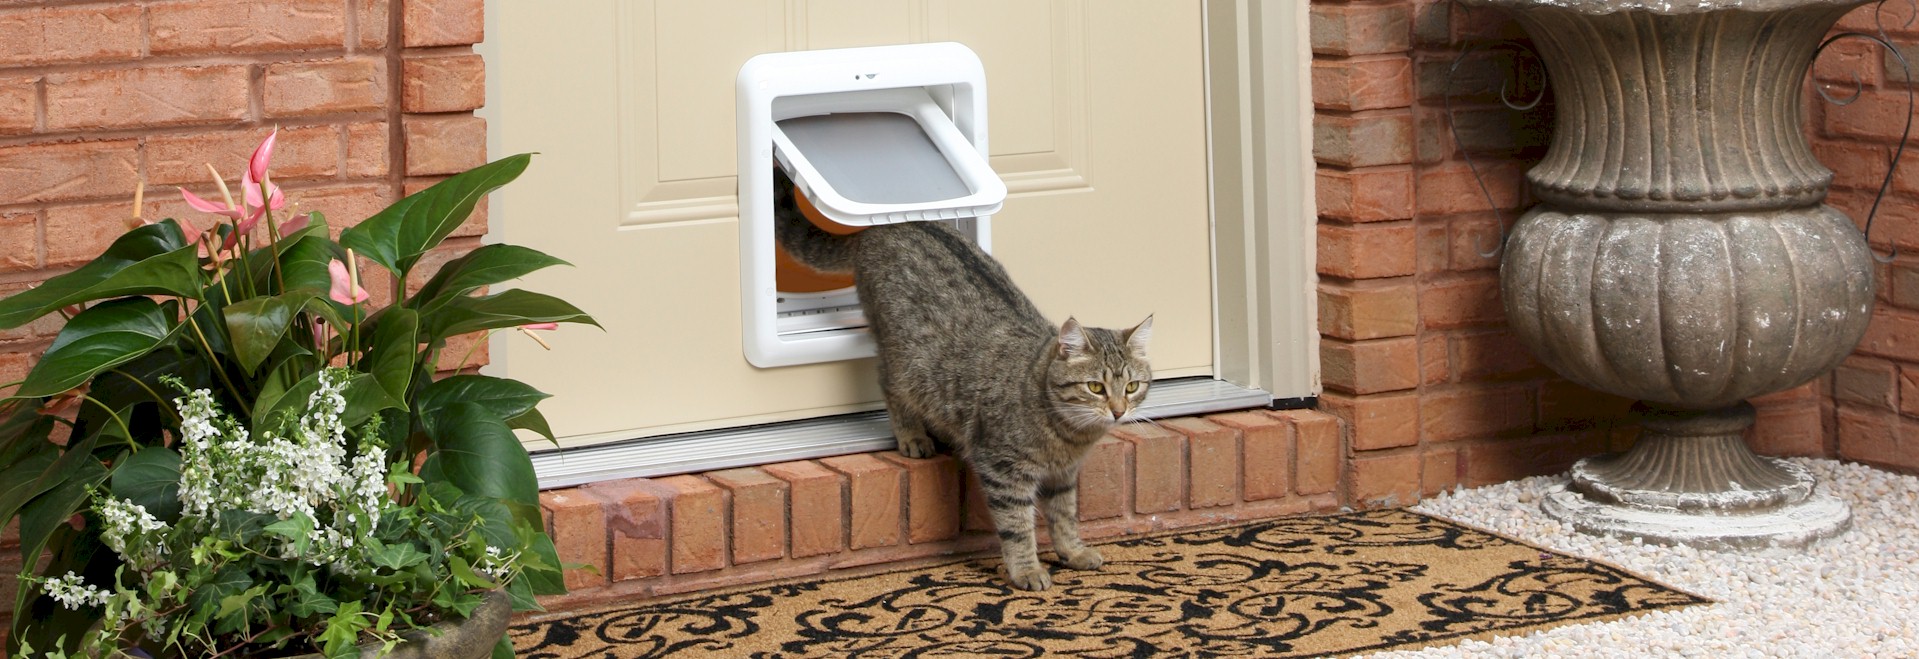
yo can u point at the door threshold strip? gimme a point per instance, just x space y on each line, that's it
862 432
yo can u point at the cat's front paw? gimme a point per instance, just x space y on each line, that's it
919 446
1087 558
1033 579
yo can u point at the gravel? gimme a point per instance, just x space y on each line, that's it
1855 595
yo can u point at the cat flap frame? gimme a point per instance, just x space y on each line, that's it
872 136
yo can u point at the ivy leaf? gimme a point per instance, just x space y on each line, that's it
298 528
343 631
398 556
464 572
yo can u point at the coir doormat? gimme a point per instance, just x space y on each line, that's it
1279 588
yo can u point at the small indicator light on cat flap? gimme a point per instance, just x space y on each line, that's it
869 76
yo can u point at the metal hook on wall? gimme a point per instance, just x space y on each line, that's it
1505 97
1898 152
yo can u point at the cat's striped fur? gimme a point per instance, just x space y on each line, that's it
966 359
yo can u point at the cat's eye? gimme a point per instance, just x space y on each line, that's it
1096 387
1132 387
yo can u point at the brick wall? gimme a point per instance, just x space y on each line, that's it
1417 357
1876 391
689 532
373 99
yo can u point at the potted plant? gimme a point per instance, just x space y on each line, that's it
229 450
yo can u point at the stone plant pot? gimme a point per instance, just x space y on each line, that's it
1682 256
472 638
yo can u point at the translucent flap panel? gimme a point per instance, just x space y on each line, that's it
882 156
875 157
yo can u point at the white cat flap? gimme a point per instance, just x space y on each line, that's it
869 136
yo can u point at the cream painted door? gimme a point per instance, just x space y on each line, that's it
1097 114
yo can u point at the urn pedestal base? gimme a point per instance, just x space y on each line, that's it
1690 479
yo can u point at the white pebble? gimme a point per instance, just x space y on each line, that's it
1852 595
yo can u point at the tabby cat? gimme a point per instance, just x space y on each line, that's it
966 359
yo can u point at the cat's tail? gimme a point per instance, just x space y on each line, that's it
807 243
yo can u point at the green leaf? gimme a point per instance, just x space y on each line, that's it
257 325
35 477
505 399
364 398
23 431
541 561
534 421
504 309
307 601
480 455
104 336
151 260
466 575
398 556
150 478
343 631
396 346
488 265
503 649
237 602
397 236
305 264
298 528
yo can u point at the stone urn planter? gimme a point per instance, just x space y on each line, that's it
472 638
1681 255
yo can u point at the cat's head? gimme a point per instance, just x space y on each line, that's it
1099 376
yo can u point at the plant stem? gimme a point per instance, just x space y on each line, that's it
150 392
116 419
476 348
213 364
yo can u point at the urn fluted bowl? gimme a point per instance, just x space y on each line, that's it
1692 311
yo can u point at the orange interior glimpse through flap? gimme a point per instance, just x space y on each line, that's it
791 276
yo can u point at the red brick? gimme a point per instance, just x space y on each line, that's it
1368 309
637 522
343 205
59 172
1103 479
1868 435
1377 421
57 35
1370 83
579 534
1862 167
355 84
1567 406
976 516
1462 302
1493 355
366 149
1366 251
1471 239
77 234
19 241
1266 452
1316 471
224 27
10 569
19 101
1213 462
444 144
1385 480
298 152
442 22
1499 461
759 513
1892 333
1867 381
371 22
699 524
1433 246
817 507
1360 29
1381 137
932 496
1439 471
1450 189
46 326
1875 115
1373 194
1895 17
1902 286
1435 358
127 98
1794 429
1159 467
443 83
1475 412
14 367
1367 367
875 488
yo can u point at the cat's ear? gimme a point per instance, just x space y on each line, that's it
1137 337
1072 338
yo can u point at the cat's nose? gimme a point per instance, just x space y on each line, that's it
1117 405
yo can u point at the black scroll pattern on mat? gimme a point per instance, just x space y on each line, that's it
1291 587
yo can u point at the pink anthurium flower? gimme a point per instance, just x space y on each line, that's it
297 223
540 326
345 289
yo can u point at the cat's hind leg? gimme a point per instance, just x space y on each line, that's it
1059 500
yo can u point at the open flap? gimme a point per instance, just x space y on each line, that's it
882 156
